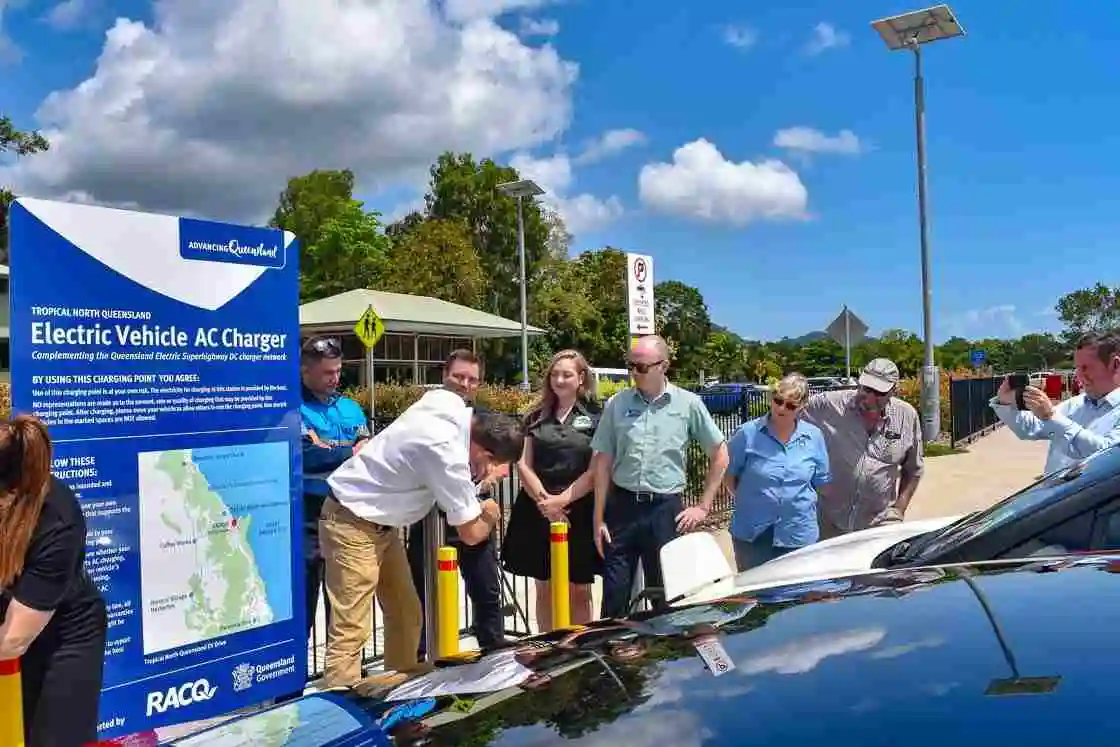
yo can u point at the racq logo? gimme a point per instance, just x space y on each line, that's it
184 695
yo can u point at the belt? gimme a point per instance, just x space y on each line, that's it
338 507
644 496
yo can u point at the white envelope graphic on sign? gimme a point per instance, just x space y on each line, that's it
144 247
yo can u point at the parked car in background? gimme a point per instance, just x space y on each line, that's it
611 375
977 654
1072 510
729 398
828 383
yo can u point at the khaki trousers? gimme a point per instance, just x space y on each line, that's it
363 560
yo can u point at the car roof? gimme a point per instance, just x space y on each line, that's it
1012 652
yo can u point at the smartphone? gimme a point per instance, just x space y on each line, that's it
1019 382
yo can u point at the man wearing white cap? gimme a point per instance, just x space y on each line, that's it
875 450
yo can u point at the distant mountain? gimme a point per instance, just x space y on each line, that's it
806 338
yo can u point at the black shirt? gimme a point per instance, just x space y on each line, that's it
53 576
562 449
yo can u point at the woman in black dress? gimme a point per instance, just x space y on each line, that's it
52 617
556 485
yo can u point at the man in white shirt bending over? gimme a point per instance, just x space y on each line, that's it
432 454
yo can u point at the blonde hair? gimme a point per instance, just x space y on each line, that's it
547 405
793 387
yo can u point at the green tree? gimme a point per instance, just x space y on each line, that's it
342 247
724 357
462 189
309 201
14 141
465 190
436 259
351 251
682 317
1088 309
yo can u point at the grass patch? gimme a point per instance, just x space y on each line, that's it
941 449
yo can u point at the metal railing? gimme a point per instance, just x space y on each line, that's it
970 415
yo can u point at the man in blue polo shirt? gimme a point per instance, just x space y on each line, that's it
334 428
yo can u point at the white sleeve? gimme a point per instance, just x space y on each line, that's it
448 476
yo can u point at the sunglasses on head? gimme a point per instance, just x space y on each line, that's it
328 347
643 368
788 404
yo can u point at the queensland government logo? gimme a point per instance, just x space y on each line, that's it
224 242
243 677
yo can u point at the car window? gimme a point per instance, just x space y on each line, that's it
1110 531
1047 491
1072 535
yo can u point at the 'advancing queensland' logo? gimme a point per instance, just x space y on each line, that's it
225 242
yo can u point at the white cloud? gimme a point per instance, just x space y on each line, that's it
200 113
701 184
610 143
582 212
1000 321
69 14
809 140
470 10
740 37
826 36
539 27
803 655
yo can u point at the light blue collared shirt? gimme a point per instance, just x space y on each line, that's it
1079 427
776 483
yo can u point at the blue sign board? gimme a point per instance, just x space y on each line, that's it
977 357
162 353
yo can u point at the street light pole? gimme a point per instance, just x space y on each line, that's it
931 377
911 31
524 297
519 190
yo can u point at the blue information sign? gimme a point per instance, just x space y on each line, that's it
163 355
977 357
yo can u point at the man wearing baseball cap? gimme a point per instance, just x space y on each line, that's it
875 450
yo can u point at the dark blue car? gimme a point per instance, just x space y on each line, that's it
1013 652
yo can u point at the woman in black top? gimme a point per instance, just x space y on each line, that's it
52 617
556 484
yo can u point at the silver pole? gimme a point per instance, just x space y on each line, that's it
432 540
931 389
847 346
372 389
524 303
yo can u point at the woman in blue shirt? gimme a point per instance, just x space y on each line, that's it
778 463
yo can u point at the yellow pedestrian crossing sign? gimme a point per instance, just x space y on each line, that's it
369 328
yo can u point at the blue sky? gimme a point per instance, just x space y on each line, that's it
1020 125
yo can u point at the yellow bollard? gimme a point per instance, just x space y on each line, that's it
447 608
11 704
561 599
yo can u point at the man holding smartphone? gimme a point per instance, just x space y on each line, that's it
1079 426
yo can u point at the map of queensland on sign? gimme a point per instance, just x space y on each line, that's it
215 542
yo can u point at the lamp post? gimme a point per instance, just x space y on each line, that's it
910 31
520 190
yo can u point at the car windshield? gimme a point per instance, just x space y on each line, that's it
1049 490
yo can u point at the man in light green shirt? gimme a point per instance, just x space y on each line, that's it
640 447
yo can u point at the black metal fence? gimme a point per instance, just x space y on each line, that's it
970 415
